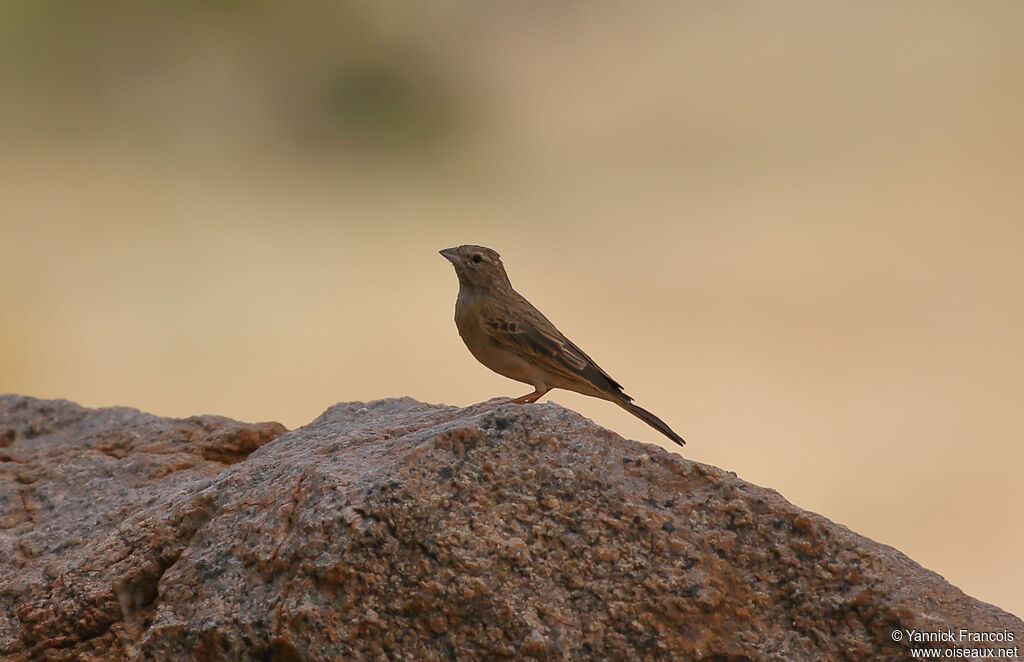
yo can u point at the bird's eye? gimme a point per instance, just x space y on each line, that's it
477 258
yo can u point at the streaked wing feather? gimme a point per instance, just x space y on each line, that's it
537 340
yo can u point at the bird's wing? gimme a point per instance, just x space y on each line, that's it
523 329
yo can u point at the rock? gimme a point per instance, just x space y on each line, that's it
94 506
397 530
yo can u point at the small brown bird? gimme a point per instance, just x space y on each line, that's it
508 335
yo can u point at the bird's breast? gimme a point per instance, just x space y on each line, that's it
499 357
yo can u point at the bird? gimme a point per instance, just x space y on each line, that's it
510 336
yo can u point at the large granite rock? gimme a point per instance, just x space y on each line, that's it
397 530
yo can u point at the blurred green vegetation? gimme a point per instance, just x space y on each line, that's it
329 75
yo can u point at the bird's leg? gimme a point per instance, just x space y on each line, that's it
537 394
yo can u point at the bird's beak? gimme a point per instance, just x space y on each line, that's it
452 254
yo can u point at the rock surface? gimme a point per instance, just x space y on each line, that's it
397 530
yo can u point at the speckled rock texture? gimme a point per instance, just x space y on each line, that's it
398 530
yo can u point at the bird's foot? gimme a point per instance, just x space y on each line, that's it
529 397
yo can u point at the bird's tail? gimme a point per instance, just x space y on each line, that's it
650 419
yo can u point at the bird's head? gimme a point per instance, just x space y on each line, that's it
478 267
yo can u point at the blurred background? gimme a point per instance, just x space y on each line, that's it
795 232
